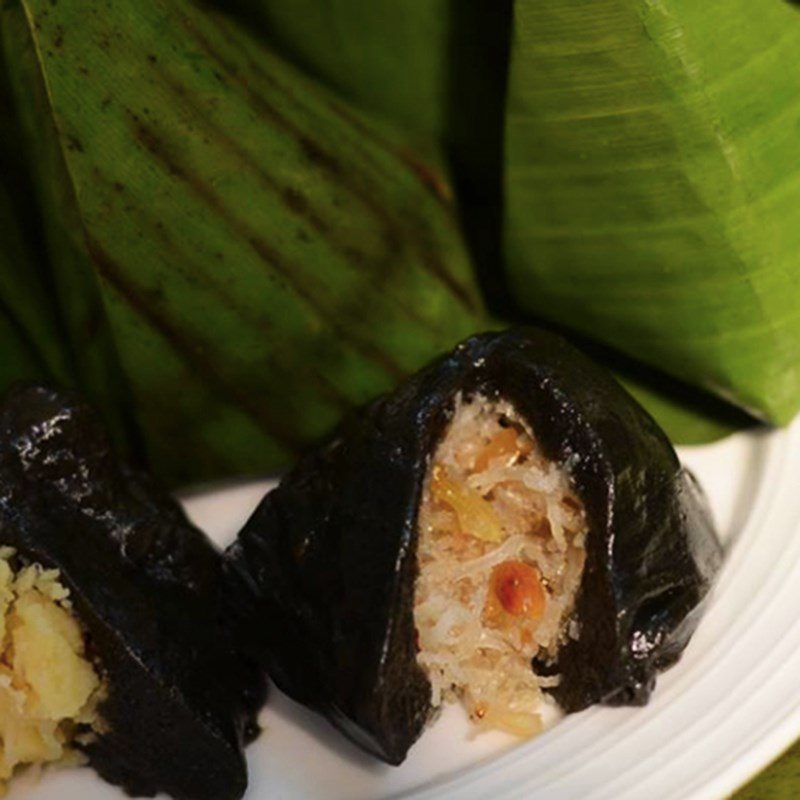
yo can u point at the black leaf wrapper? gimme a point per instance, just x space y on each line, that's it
145 585
321 579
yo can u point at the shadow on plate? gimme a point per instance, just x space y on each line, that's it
282 707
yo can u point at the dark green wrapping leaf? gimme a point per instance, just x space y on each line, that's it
391 57
23 340
67 290
267 258
435 67
653 192
18 361
30 345
687 418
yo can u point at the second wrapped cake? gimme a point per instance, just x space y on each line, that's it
113 646
508 529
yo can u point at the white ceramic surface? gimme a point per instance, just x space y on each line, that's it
729 707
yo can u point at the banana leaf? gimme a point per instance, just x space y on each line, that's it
30 341
266 256
390 57
52 290
434 67
687 416
437 68
780 781
17 360
653 185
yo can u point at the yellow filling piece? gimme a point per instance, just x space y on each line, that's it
48 687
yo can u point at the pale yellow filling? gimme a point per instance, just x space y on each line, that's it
48 687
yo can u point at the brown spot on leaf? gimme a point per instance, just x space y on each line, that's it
145 306
301 287
430 177
74 144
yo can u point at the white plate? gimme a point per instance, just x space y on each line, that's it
729 707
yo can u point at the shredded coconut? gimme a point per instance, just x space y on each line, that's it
530 524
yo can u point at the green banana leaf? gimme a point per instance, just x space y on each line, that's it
266 256
29 339
437 68
387 56
31 345
17 360
780 781
688 415
653 185
67 298
434 67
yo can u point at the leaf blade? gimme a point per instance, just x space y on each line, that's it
646 204
267 257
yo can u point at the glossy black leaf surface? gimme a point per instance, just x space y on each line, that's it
145 585
322 577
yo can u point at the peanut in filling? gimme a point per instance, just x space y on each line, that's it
501 555
49 689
